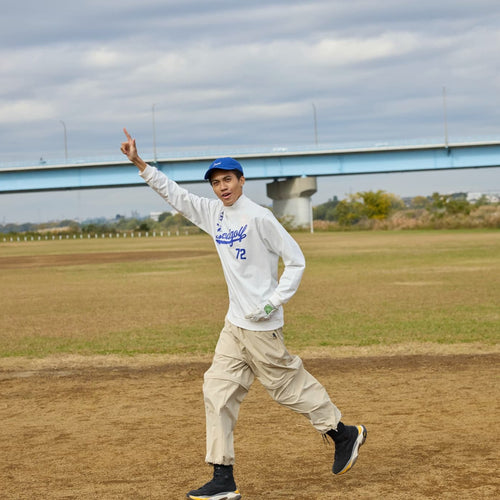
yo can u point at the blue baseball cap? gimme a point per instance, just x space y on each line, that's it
225 163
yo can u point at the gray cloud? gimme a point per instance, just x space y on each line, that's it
226 74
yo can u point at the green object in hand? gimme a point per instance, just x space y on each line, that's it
268 308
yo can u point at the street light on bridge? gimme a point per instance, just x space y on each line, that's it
315 124
65 142
154 132
445 116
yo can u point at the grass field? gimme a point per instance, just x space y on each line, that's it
104 343
167 295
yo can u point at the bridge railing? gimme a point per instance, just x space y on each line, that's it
214 152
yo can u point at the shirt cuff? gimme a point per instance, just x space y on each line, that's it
275 300
147 173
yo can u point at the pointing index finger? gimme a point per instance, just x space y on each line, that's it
127 134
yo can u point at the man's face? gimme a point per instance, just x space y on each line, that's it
227 187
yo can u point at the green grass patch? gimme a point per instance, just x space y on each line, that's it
359 289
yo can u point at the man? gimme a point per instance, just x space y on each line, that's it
250 242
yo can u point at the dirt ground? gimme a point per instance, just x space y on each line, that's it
133 428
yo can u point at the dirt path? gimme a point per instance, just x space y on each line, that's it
118 429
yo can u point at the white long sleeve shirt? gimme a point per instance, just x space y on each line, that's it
249 241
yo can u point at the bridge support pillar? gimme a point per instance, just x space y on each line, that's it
292 200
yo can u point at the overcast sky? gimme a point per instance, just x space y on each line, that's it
228 74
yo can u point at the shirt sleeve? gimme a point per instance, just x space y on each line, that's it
279 241
197 209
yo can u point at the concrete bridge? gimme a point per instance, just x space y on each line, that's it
292 174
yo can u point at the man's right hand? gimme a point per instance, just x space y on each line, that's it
262 312
129 149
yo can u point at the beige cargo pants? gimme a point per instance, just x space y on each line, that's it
240 356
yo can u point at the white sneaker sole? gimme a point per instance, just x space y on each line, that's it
231 495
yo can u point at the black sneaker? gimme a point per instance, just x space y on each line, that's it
347 443
221 487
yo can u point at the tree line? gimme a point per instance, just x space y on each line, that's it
361 210
166 221
382 210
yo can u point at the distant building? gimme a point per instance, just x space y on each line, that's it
490 198
155 216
